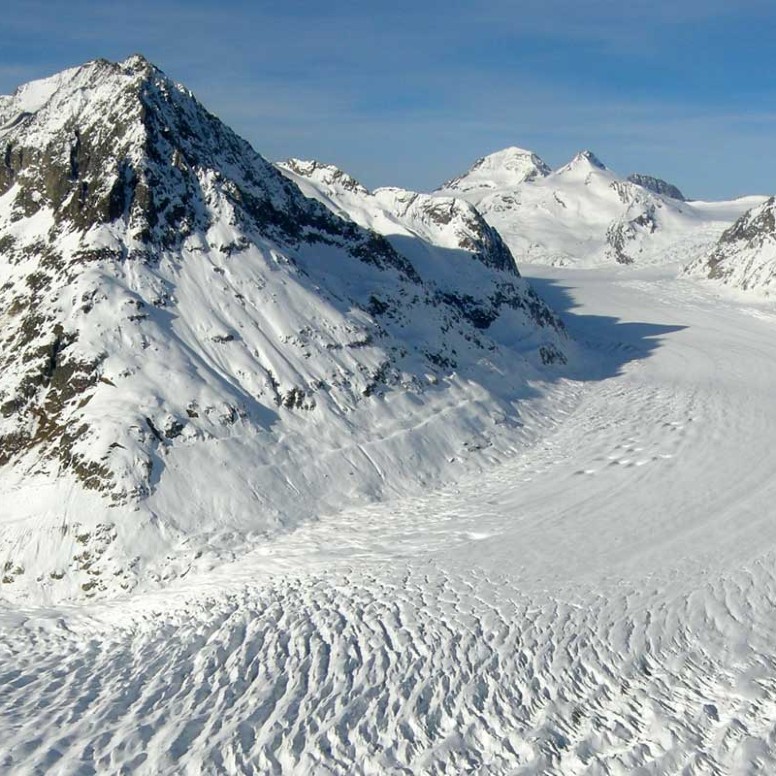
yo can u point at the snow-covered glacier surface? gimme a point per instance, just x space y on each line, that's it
599 603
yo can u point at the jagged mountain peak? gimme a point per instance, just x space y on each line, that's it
93 75
325 174
122 143
138 62
583 160
172 304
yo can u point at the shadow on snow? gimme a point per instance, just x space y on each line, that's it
606 343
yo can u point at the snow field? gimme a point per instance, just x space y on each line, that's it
405 670
600 603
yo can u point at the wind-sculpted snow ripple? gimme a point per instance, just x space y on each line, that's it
599 603
398 671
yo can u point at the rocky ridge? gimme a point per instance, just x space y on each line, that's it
657 186
440 224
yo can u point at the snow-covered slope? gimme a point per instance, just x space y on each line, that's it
745 256
194 354
425 227
601 604
585 214
503 169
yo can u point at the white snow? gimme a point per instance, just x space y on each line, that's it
583 214
503 169
598 602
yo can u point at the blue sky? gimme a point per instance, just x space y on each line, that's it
410 93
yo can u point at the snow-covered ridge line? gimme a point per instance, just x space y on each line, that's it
439 222
585 214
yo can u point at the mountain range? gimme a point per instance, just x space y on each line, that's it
184 322
583 214
302 477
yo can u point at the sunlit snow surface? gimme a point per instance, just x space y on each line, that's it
584 214
601 603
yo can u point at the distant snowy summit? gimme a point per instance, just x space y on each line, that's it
582 213
506 168
195 352
585 214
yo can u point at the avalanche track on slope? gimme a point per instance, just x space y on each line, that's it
602 603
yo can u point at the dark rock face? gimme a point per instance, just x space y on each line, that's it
475 234
656 186
491 249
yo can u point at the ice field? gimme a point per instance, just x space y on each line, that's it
601 603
